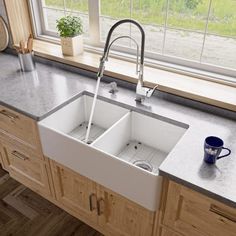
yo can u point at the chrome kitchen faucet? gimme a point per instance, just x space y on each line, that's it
141 91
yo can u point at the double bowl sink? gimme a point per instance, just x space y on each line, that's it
124 151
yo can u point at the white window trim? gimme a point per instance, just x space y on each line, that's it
155 60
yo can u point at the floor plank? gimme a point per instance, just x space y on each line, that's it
25 213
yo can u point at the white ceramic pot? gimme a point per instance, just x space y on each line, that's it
72 46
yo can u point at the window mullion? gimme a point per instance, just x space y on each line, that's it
165 27
131 16
205 31
43 20
64 6
94 22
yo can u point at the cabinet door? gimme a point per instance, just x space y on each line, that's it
75 192
192 213
119 216
27 168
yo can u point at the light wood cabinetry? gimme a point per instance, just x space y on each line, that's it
75 192
20 151
18 127
191 213
123 217
113 213
27 168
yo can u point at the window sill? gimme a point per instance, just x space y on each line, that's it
209 92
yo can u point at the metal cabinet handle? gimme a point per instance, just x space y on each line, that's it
92 199
217 210
19 155
9 114
101 206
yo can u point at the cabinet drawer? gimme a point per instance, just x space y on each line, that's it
19 126
28 169
192 213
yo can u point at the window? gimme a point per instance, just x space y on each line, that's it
196 33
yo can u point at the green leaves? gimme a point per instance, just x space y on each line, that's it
192 4
69 26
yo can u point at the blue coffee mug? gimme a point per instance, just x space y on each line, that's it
212 149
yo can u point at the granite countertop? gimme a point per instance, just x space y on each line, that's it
39 93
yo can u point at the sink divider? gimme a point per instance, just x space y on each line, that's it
114 138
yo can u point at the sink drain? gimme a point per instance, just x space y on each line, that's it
88 142
144 165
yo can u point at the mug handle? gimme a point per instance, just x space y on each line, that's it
229 151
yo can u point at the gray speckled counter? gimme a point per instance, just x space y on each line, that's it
39 93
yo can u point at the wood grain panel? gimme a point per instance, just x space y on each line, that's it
19 19
18 127
192 213
74 192
122 217
27 169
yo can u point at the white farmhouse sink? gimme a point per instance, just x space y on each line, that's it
119 139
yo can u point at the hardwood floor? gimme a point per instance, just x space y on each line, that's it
24 213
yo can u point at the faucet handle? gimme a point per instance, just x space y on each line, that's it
143 92
113 87
150 91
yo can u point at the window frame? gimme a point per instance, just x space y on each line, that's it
157 60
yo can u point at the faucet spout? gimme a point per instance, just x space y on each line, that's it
108 45
101 68
141 91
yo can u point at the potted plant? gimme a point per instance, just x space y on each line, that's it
70 29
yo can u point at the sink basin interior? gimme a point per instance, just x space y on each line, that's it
138 137
73 118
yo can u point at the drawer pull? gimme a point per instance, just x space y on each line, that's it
217 210
8 114
101 206
92 199
19 155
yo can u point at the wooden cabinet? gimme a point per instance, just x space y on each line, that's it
120 216
26 168
17 127
110 211
75 192
191 213
20 151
